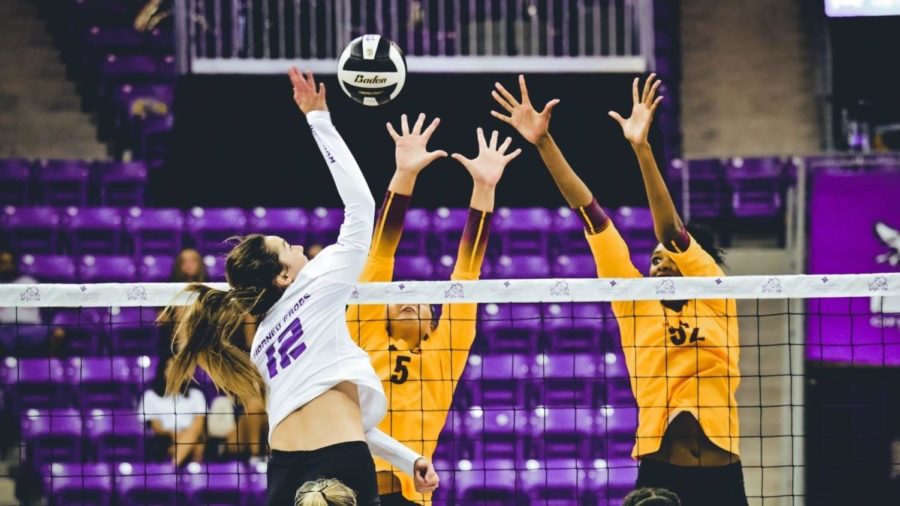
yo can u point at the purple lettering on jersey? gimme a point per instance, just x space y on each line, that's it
286 347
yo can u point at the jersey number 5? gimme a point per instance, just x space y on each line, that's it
401 372
285 348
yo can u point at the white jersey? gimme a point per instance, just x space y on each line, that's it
302 347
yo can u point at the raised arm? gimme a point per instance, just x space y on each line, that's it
367 323
401 457
345 258
667 224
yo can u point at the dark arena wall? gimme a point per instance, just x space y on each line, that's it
241 141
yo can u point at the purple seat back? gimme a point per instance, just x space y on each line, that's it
575 266
155 231
121 183
54 436
324 225
522 231
39 371
706 188
133 331
102 382
156 268
417 268
416 232
216 483
498 367
85 329
62 182
448 228
14 181
215 267
94 230
289 223
107 269
116 435
139 483
568 233
79 483
521 267
32 229
566 421
49 268
757 185
209 228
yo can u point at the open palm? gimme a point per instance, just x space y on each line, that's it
487 167
306 96
411 146
530 123
636 127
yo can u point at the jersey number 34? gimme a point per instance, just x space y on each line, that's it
285 349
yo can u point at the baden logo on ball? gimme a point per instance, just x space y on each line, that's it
372 70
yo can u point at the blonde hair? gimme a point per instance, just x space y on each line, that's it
325 492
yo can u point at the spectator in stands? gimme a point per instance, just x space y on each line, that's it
152 13
325 493
188 267
651 497
178 422
313 250
22 332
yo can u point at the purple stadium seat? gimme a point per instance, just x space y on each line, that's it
141 483
414 268
522 231
94 230
62 182
215 267
488 485
32 229
106 269
499 432
553 481
618 420
566 380
636 226
521 267
133 331
288 223
641 261
121 183
253 490
132 100
613 365
577 421
511 327
101 382
143 371
115 436
81 484
448 227
443 269
568 233
572 332
14 181
48 268
706 189
324 225
757 186
155 231
574 266
84 328
211 227
567 366
216 483
495 380
149 136
53 436
616 476
416 231
155 268
35 382
498 367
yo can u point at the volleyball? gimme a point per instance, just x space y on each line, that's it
372 70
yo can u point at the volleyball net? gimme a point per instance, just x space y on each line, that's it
526 390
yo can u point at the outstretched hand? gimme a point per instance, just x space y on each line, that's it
411 146
487 168
425 477
530 123
307 97
637 126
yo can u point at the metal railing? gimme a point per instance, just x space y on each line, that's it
265 36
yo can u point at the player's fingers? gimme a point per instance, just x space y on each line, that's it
524 90
652 94
647 84
461 159
655 104
503 103
634 91
505 119
512 156
417 128
503 147
549 107
507 95
393 133
322 90
434 155
431 128
404 124
618 117
292 75
481 142
494 136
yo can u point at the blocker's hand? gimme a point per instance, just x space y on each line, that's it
411 146
530 123
425 477
637 126
488 166
306 96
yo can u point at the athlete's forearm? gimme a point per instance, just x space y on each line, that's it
393 451
473 243
573 189
389 225
666 223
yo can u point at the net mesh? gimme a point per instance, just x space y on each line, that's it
523 391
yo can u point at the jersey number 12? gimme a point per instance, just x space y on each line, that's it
285 349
